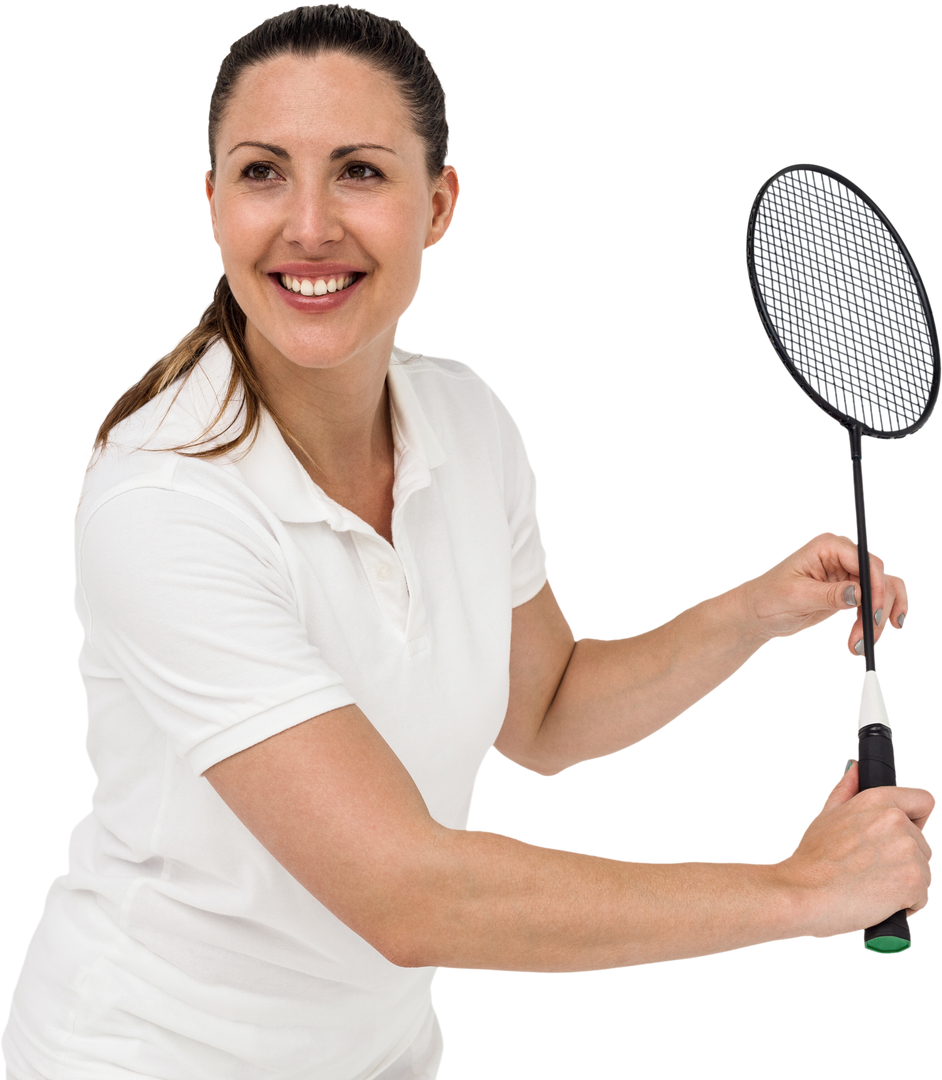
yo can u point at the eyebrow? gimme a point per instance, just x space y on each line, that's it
335 155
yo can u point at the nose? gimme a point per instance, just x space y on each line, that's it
313 220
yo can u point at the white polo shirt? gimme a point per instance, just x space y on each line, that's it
224 601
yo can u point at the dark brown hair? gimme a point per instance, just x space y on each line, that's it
306 31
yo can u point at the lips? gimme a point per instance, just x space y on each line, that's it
316 288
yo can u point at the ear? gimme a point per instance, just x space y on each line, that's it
444 197
211 195
207 188
209 191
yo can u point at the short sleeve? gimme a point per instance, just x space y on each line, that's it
191 604
528 559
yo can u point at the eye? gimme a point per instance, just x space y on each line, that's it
257 164
358 171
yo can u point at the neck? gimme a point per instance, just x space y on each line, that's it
338 415
341 426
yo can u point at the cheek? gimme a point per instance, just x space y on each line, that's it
403 239
243 233
239 234
391 237
375 220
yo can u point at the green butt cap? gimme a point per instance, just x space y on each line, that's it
887 946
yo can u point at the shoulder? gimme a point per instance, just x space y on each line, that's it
416 362
141 451
438 377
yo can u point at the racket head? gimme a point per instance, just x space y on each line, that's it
842 301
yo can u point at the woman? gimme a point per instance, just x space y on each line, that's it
313 595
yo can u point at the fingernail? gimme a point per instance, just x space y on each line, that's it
899 621
850 761
878 616
850 597
859 648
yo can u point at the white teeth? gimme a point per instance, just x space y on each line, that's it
319 287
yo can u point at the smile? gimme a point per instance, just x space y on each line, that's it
317 287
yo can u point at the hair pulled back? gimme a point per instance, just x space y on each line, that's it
306 31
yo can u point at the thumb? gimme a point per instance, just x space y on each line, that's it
836 595
846 789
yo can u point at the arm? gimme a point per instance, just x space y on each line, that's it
570 701
336 808
333 804
510 905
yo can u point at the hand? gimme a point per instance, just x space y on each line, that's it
821 578
863 857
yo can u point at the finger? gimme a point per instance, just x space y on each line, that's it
929 878
888 601
852 594
900 607
877 594
915 803
845 787
855 634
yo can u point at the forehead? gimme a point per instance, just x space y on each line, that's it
326 100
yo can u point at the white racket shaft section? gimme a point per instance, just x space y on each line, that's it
872 705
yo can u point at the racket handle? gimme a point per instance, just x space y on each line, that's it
877 768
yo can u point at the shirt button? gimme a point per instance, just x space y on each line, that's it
383 571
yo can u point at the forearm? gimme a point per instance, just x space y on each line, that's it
487 901
614 693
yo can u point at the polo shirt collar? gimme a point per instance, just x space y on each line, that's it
276 476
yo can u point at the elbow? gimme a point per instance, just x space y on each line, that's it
408 916
436 908
547 766
403 941
400 940
527 764
407 951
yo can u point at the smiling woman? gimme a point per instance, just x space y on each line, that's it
193 933
313 595
420 86
369 204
